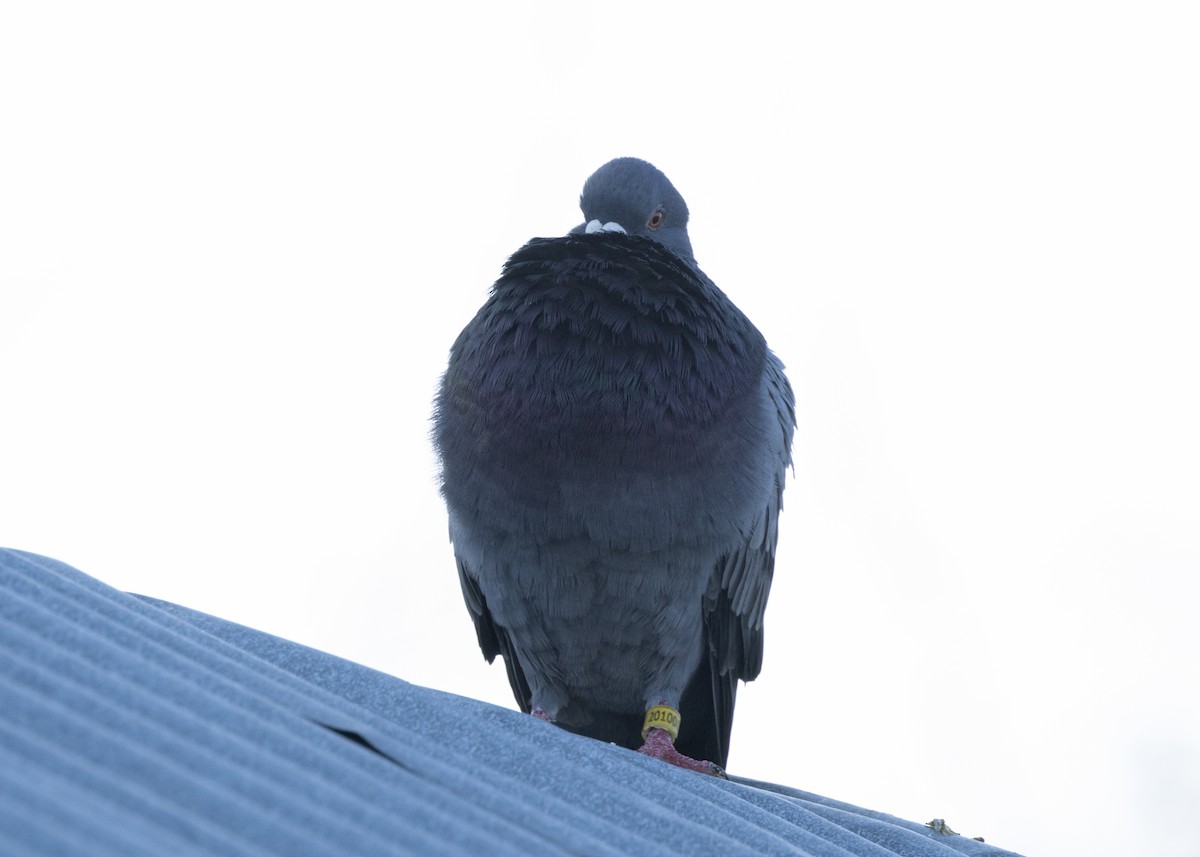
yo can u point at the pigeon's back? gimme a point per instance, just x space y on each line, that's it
613 433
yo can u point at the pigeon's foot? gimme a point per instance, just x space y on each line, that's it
658 744
540 715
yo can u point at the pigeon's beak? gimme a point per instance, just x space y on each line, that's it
597 226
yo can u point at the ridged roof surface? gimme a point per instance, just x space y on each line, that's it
130 726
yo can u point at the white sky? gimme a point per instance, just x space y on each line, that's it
238 239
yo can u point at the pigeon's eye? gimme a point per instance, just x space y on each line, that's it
656 219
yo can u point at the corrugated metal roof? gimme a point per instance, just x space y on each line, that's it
130 726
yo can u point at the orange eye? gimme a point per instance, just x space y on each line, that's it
656 219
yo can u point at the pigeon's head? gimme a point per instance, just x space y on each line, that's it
632 196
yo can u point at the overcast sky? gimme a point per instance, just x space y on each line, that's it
238 239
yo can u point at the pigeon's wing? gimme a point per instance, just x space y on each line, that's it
493 639
737 598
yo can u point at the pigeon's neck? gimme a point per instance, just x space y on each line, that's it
673 239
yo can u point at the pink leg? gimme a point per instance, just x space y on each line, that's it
658 745
541 715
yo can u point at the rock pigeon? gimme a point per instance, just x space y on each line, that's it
614 435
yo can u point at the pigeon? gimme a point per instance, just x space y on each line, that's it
613 436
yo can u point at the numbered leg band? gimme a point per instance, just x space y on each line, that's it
662 717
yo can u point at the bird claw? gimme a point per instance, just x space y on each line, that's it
658 745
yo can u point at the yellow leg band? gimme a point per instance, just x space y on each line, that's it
662 717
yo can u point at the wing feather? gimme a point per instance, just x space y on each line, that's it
736 599
493 639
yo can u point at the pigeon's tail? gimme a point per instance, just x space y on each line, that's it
706 714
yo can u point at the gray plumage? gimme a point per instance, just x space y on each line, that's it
614 435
